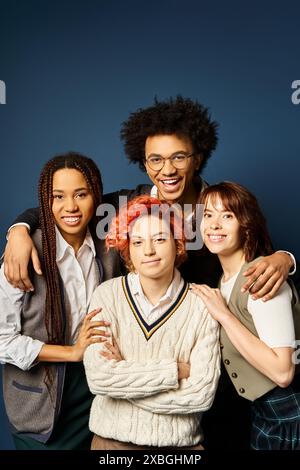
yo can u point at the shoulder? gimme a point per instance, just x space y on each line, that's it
240 281
200 312
108 288
113 198
37 235
107 298
38 243
282 300
195 301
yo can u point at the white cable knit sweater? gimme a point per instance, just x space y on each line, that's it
139 399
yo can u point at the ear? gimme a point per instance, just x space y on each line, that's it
197 161
145 165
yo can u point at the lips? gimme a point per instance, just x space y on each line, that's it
170 184
152 261
71 220
216 238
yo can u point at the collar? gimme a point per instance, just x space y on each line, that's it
136 287
62 246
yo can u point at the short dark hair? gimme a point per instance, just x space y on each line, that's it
180 116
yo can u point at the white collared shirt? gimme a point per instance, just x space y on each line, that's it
149 312
80 276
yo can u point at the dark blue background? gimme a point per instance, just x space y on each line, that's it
74 70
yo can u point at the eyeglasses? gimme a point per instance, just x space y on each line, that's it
178 160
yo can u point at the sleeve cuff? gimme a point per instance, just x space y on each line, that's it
29 358
21 224
294 268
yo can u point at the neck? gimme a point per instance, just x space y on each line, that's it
75 241
190 196
231 264
154 289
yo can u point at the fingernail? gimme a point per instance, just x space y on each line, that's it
243 289
107 334
253 297
106 323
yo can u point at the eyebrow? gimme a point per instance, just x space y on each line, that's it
226 210
154 235
172 154
160 233
75 190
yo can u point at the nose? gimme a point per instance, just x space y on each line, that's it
71 204
215 223
168 169
149 249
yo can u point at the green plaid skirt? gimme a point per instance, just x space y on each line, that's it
276 419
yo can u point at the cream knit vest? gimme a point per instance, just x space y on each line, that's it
139 399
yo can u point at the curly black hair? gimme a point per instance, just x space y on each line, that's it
180 116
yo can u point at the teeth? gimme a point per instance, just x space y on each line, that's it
216 237
71 219
169 181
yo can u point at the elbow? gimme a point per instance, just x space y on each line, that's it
284 379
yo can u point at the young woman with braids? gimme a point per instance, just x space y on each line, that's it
257 337
44 333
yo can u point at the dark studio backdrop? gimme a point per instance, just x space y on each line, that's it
74 70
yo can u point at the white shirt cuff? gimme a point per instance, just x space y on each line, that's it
25 354
293 259
15 225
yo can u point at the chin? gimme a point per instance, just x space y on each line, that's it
213 249
172 196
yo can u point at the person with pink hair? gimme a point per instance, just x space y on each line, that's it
158 368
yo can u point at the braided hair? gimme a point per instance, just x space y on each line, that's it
53 308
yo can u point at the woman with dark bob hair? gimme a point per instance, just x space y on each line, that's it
257 337
160 372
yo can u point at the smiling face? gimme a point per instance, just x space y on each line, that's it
72 206
220 229
173 184
152 248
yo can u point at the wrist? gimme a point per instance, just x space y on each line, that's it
21 229
288 258
224 316
74 354
291 261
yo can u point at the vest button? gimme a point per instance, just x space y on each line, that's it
234 375
241 390
221 345
227 362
